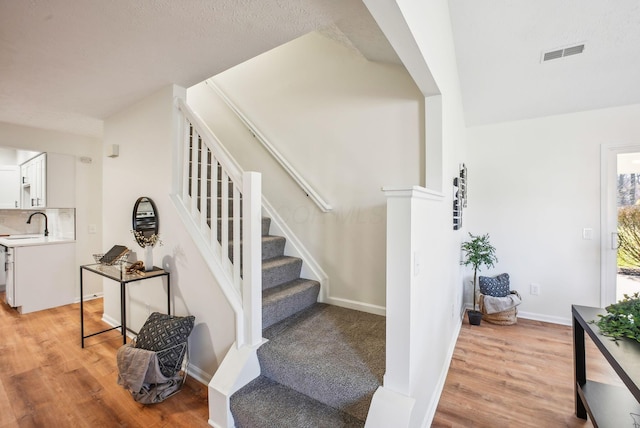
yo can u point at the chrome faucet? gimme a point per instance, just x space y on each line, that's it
46 222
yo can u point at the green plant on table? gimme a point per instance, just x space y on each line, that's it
622 319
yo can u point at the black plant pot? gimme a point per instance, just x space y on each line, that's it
475 317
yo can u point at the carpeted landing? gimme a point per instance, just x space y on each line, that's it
320 368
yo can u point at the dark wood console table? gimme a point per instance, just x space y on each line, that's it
118 274
606 405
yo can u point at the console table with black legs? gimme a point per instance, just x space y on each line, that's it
607 405
119 274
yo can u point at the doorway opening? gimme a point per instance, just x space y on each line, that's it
628 224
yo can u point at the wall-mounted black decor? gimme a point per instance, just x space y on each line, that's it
459 196
463 184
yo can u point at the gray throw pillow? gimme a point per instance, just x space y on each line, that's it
495 286
167 335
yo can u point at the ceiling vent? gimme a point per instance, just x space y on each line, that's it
561 53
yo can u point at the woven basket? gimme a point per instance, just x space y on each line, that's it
508 317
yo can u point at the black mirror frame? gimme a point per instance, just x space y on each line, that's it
145 232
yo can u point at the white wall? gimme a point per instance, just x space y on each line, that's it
88 182
349 126
144 134
534 185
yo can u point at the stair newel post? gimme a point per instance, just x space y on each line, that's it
252 257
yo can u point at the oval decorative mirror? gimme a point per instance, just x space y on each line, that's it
145 219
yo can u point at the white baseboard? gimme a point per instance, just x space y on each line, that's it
111 321
193 371
91 296
544 318
199 375
358 306
536 317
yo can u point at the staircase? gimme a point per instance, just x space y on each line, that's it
322 363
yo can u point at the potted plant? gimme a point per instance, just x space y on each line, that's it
478 252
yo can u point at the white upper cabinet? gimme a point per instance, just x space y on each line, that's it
48 181
9 186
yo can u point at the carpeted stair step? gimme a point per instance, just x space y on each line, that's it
272 246
264 403
266 224
331 354
287 299
279 270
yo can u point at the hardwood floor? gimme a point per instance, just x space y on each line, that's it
500 376
516 376
48 380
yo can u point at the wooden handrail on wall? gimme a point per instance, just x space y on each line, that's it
295 175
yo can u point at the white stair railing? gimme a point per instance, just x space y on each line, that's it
222 206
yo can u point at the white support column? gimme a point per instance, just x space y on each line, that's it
398 355
252 257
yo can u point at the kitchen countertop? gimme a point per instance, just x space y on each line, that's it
30 240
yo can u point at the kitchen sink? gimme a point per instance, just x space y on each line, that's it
23 237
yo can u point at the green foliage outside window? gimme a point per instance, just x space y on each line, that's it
629 236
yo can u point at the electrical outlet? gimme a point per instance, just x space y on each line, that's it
535 289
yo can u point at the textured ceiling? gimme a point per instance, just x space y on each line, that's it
499 45
67 65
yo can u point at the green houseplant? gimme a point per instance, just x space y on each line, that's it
478 252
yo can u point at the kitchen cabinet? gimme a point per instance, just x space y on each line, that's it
48 180
9 186
43 276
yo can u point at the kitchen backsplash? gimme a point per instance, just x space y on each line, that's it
62 222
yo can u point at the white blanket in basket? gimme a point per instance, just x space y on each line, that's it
494 305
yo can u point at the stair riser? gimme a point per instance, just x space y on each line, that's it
275 276
275 311
273 248
270 248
